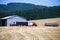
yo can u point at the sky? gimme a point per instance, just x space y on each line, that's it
36 2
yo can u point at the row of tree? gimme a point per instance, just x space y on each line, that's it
37 13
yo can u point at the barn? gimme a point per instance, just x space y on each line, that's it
6 21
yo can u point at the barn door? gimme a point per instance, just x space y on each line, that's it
3 22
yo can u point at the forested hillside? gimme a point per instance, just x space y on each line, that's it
32 12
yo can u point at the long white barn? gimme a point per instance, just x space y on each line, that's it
6 21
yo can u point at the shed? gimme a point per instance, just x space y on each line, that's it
6 21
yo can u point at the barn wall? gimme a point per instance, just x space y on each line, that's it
15 19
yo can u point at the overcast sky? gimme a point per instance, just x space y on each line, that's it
37 2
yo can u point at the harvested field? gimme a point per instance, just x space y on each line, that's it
43 21
40 32
29 33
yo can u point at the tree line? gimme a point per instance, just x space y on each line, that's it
36 13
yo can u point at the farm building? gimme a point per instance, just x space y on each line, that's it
6 21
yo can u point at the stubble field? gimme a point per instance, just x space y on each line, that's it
30 33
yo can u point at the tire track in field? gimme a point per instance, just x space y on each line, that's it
48 34
32 36
11 36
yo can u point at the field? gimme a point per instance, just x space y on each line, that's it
31 33
43 21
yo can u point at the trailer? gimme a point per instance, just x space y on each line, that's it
51 24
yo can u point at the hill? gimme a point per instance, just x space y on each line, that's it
19 6
29 11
